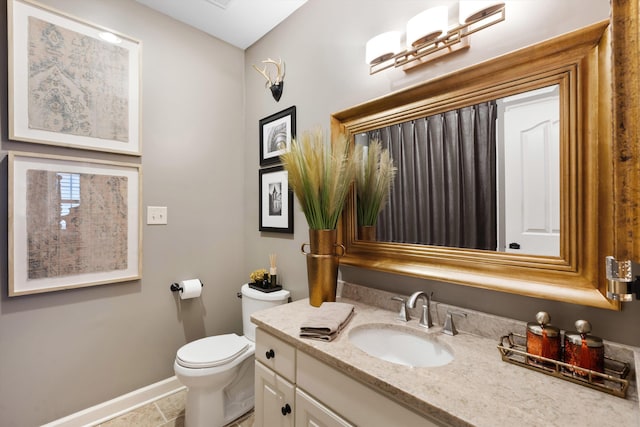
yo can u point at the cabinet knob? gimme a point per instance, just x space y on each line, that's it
270 354
286 409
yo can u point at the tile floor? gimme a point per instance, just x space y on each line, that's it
165 412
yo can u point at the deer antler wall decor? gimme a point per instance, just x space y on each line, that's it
276 85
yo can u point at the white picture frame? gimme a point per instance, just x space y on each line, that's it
55 98
57 240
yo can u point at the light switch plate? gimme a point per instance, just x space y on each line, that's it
156 215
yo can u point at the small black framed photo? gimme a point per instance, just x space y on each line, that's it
276 133
276 201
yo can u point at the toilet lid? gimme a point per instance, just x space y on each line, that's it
211 351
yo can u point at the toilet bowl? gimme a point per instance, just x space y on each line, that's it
218 371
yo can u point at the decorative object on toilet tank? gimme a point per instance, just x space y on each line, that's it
273 270
258 276
263 281
374 174
320 175
276 85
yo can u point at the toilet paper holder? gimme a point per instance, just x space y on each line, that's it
175 287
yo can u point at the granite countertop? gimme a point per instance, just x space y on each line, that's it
476 389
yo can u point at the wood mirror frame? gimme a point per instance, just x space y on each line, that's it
591 177
625 40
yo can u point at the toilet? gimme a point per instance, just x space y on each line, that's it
218 371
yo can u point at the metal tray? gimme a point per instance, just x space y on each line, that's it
513 349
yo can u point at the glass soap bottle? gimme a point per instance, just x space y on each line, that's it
543 340
583 350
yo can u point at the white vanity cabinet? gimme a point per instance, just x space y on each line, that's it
274 382
311 413
324 396
360 404
274 399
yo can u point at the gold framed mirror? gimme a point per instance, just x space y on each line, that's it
625 38
580 64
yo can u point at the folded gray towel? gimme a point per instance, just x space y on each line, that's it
327 321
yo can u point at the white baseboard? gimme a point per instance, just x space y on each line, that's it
105 411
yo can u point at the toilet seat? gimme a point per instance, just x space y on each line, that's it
212 351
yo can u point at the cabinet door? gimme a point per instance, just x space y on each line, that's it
274 399
276 354
311 413
353 400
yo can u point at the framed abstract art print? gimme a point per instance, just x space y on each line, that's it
71 83
73 223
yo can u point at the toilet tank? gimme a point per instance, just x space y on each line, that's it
254 300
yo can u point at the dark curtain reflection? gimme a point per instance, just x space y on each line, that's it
445 190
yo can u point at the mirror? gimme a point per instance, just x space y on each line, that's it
578 64
486 176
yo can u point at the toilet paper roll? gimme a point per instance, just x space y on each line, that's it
191 288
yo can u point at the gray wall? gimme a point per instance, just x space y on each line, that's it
323 47
64 351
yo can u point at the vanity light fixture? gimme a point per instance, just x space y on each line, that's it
383 47
428 36
474 10
427 27
623 279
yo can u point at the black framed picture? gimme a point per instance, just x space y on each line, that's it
276 201
276 133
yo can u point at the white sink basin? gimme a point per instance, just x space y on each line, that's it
401 345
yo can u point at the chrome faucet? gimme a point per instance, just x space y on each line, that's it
403 315
425 319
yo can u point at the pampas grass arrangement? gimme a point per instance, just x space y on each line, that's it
320 174
374 174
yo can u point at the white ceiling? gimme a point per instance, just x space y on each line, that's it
241 23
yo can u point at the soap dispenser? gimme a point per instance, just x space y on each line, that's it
583 350
543 340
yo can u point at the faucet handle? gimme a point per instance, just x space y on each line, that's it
425 319
403 315
449 327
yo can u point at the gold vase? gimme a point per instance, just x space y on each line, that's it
367 232
322 265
